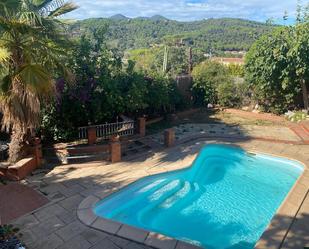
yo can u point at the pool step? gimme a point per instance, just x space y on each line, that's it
158 197
142 194
185 190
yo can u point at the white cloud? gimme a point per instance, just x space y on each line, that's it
186 10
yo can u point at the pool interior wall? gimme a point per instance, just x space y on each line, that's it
226 199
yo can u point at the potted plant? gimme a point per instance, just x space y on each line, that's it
9 237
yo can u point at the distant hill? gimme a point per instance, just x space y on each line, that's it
158 18
118 17
207 35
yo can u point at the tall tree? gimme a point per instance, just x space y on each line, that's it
277 65
300 51
32 47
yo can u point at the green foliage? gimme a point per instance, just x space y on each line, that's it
233 94
7 232
104 88
207 76
211 34
275 66
298 116
150 60
236 70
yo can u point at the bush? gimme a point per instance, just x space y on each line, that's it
207 76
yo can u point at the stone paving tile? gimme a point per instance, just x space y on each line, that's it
77 242
27 221
86 216
49 211
90 191
56 196
106 225
72 190
47 227
28 237
132 233
52 188
105 244
119 241
72 202
93 236
133 245
67 217
69 231
49 242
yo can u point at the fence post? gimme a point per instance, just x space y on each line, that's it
92 135
141 127
169 137
115 150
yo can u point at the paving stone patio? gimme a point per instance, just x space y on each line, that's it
56 225
188 130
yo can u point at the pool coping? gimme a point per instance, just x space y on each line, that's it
288 208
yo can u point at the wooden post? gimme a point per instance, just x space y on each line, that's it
92 135
169 137
142 126
305 95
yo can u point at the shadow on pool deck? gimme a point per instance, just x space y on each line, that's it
68 185
293 231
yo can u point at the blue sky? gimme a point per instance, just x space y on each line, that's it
187 10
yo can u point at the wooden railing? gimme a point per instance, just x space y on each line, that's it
107 130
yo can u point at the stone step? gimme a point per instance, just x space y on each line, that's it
87 158
90 149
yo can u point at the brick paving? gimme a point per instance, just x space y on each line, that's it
56 224
17 200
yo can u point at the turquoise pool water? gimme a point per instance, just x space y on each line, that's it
225 200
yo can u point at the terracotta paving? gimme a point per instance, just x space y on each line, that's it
18 200
56 224
256 116
301 131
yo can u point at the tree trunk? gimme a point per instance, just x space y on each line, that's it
305 95
17 145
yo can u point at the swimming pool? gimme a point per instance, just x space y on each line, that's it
226 199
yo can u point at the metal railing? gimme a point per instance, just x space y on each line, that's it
105 131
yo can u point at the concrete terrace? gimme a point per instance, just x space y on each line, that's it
56 224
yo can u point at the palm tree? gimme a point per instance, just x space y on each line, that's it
32 48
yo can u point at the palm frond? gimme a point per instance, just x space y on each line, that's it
5 84
4 55
31 18
37 79
7 7
40 4
63 9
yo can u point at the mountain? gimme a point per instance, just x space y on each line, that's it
158 18
118 17
206 35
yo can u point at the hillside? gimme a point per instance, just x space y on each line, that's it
211 34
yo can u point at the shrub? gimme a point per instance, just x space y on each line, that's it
207 76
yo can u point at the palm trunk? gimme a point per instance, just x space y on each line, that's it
17 145
305 95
